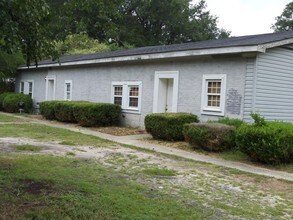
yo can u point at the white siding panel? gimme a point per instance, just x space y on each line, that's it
248 90
274 85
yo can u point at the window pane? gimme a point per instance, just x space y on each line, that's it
214 87
133 102
22 87
68 95
68 87
133 91
118 100
118 90
214 100
30 87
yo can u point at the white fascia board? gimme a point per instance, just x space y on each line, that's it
163 55
264 47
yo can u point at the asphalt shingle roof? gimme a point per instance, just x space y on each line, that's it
250 40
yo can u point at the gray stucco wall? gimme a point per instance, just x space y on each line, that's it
93 83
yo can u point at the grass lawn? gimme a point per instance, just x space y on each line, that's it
46 187
46 133
124 183
7 118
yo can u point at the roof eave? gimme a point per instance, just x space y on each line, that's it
264 47
162 55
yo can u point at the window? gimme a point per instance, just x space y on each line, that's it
133 96
27 87
68 90
118 93
128 95
30 89
21 90
213 94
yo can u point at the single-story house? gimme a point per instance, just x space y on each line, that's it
227 77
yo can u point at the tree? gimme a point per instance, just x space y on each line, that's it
151 22
80 44
284 22
23 28
96 18
135 22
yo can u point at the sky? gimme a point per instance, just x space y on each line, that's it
246 17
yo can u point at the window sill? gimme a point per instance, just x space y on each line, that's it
131 111
215 112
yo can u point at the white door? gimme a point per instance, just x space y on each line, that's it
165 92
50 89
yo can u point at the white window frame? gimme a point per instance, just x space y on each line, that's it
208 110
125 95
65 90
32 82
48 78
166 75
21 89
25 89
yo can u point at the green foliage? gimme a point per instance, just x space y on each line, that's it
271 143
135 22
97 114
284 22
229 121
24 28
168 126
63 110
258 119
85 113
210 136
10 102
80 44
2 97
47 109
166 22
8 65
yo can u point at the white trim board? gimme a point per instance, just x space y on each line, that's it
160 55
51 78
166 75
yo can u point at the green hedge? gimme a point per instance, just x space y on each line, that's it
47 109
64 111
97 114
168 126
269 142
85 113
11 100
210 136
2 96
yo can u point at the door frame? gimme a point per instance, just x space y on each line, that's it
50 78
166 75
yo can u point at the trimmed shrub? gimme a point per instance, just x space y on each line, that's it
231 121
210 136
63 110
168 126
97 114
269 142
10 102
2 97
85 113
47 109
